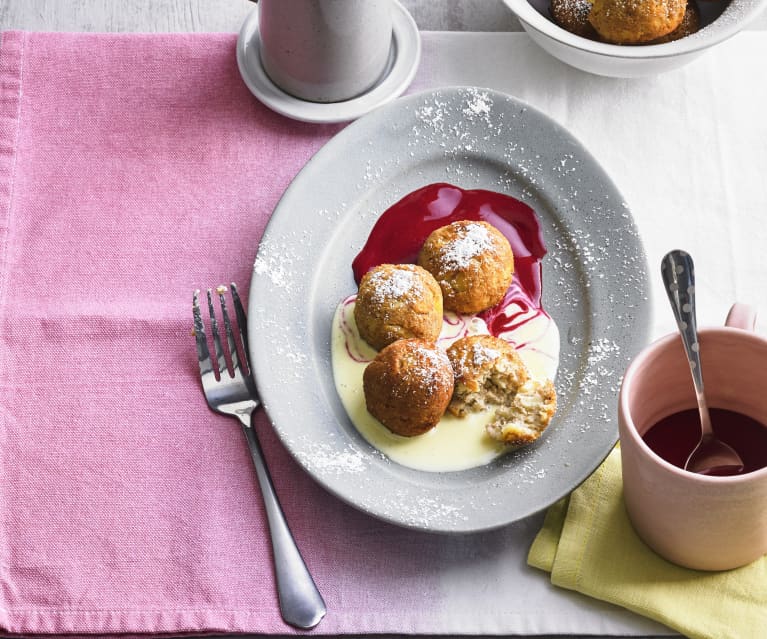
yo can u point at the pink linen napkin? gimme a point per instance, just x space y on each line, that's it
134 169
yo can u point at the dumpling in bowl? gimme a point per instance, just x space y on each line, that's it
573 15
690 24
636 21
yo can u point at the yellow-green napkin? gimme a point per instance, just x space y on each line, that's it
587 544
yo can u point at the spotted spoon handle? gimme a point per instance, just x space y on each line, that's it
678 273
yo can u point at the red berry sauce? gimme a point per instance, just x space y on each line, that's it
400 232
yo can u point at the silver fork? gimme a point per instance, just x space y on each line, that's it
230 390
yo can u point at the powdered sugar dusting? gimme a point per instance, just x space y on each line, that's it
431 367
424 511
478 106
275 264
573 10
398 284
479 355
324 458
471 241
482 354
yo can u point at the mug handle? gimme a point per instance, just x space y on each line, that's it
741 316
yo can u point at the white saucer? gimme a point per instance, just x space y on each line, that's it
403 63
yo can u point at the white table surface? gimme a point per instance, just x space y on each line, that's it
227 16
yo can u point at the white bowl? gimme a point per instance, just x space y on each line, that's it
634 61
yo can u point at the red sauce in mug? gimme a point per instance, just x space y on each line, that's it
674 437
400 232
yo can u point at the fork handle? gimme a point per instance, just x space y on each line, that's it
301 604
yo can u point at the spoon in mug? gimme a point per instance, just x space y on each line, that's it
711 456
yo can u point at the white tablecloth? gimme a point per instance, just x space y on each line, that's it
688 150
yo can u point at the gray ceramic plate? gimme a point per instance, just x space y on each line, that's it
594 284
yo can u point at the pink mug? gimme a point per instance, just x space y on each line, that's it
696 521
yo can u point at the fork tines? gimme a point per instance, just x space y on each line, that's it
226 360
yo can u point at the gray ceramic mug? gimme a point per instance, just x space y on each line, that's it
325 50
